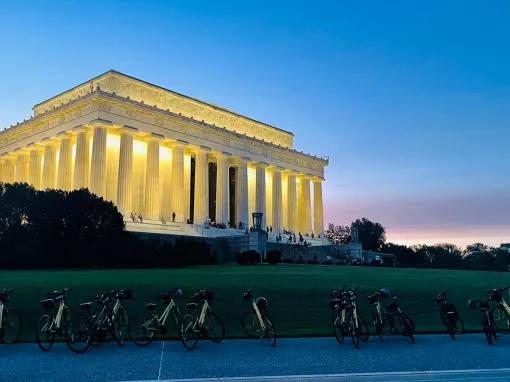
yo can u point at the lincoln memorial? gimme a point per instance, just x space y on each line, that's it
163 156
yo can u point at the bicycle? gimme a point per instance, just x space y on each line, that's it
378 319
201 323
449 315
256 322
488 326
10 320
56 322
147 323
120 315
501 311
346 318
94 326
399 322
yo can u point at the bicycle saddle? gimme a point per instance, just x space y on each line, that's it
86 305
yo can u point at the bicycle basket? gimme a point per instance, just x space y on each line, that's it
48 304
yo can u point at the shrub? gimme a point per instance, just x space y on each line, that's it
249 257
274 256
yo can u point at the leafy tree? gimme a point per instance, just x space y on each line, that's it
372 235
338 234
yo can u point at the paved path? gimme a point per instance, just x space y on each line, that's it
302 359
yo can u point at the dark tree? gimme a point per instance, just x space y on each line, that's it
372 235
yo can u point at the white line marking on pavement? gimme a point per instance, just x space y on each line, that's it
161 359
346 376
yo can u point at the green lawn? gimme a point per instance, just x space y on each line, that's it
298 294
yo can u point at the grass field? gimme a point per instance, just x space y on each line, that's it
298 294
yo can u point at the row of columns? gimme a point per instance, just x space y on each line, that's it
90 171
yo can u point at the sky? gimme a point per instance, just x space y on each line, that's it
410 100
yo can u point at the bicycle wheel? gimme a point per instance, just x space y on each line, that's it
116 332
408 327
338 330
501 319
379 330
11 326
188 334
364 333
78 333
122 319
142 328
270 332
44 334
250 324
353 331
215 327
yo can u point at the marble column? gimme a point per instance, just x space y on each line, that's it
124 187
35 167
178 194
8 176
292 203
277 201
304 206
152 205
222 189
201 188
21 175
318 218
242 194
81 161
260 192
49 172
97 183
64 174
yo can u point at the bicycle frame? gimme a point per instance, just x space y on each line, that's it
203 313
1 313
166 313
58 316
259 315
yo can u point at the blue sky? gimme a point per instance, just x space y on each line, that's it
410 100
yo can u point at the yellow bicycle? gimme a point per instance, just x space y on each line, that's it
255 322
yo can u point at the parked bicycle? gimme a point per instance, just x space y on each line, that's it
56 322
500 310
399 322
346 318
256 322
94 325
376 309
120 314
488 326
10 320
201 323
144 325
449 315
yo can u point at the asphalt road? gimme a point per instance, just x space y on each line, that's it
432 358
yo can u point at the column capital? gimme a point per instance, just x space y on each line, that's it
261 164
81 129
128 130
317 179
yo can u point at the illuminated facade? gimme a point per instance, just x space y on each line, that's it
157 153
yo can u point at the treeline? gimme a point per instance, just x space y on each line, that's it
475 257
77 229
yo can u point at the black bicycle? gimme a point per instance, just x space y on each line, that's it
10 320
449 315
94 325
398 321
488 325
346 319
376 309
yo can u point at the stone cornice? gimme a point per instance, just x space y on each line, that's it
129 87
130 110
